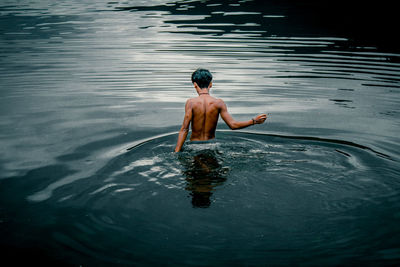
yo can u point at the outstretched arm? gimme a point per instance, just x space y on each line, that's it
233 124
183 132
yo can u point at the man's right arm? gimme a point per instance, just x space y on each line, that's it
233 124
183 132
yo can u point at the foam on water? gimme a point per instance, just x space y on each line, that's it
82 82
274 195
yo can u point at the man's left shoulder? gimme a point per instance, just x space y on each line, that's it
218 101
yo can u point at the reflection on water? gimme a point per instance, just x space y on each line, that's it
291 194
203 173
82 81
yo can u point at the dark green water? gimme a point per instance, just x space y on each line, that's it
92 94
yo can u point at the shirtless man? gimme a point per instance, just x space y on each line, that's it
203 112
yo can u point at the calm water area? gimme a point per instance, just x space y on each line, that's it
92 95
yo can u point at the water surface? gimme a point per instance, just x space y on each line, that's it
92 95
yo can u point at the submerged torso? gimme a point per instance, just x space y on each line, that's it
205 110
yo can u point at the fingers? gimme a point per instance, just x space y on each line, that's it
261 118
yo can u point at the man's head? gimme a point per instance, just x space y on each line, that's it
202 78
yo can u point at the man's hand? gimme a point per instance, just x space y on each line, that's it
260 119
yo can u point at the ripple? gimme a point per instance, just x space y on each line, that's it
305 161
83 82
286 188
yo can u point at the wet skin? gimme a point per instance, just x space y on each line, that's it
203 113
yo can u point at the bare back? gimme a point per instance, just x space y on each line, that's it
205 114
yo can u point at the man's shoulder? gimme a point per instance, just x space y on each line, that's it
219 101
190 100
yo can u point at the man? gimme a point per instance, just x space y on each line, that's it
203 112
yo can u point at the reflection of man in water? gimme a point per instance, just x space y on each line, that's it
203 172
203 112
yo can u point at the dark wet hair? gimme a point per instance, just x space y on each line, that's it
202 77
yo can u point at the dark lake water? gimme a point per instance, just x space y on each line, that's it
92 94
